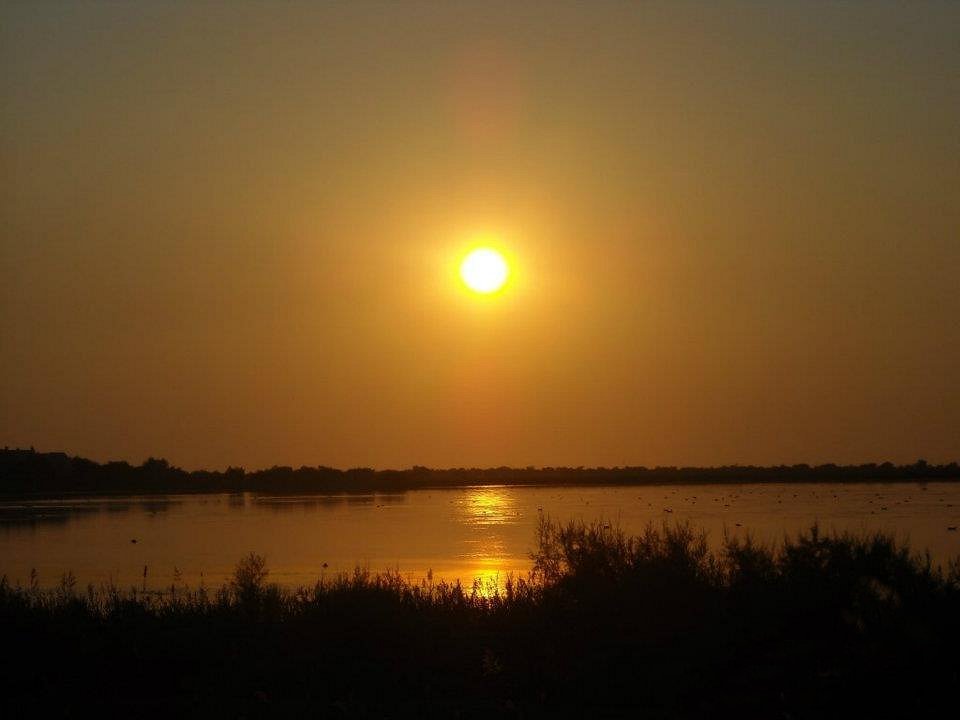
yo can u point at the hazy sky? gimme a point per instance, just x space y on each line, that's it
230 232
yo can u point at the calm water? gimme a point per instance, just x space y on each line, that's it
465 533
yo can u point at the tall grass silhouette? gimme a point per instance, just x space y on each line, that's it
605 624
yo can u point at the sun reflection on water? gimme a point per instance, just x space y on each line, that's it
489 506
488 512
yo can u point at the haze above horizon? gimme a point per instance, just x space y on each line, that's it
233 234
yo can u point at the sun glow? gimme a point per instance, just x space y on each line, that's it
484 270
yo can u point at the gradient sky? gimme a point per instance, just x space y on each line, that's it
230 232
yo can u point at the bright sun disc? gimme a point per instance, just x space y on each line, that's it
484 270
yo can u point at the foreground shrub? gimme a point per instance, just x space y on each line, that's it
606 625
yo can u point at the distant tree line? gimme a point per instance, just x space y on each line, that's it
28 471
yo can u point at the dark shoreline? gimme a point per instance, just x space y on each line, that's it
608 625
26 473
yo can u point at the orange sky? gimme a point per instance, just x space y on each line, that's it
230 232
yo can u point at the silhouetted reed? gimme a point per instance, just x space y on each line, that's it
606 624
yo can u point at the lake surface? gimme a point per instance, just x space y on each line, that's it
466 533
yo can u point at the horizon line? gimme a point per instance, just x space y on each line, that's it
919 463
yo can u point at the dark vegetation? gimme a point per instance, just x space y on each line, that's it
606 626
28 472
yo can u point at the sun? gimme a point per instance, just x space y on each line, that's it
484 270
